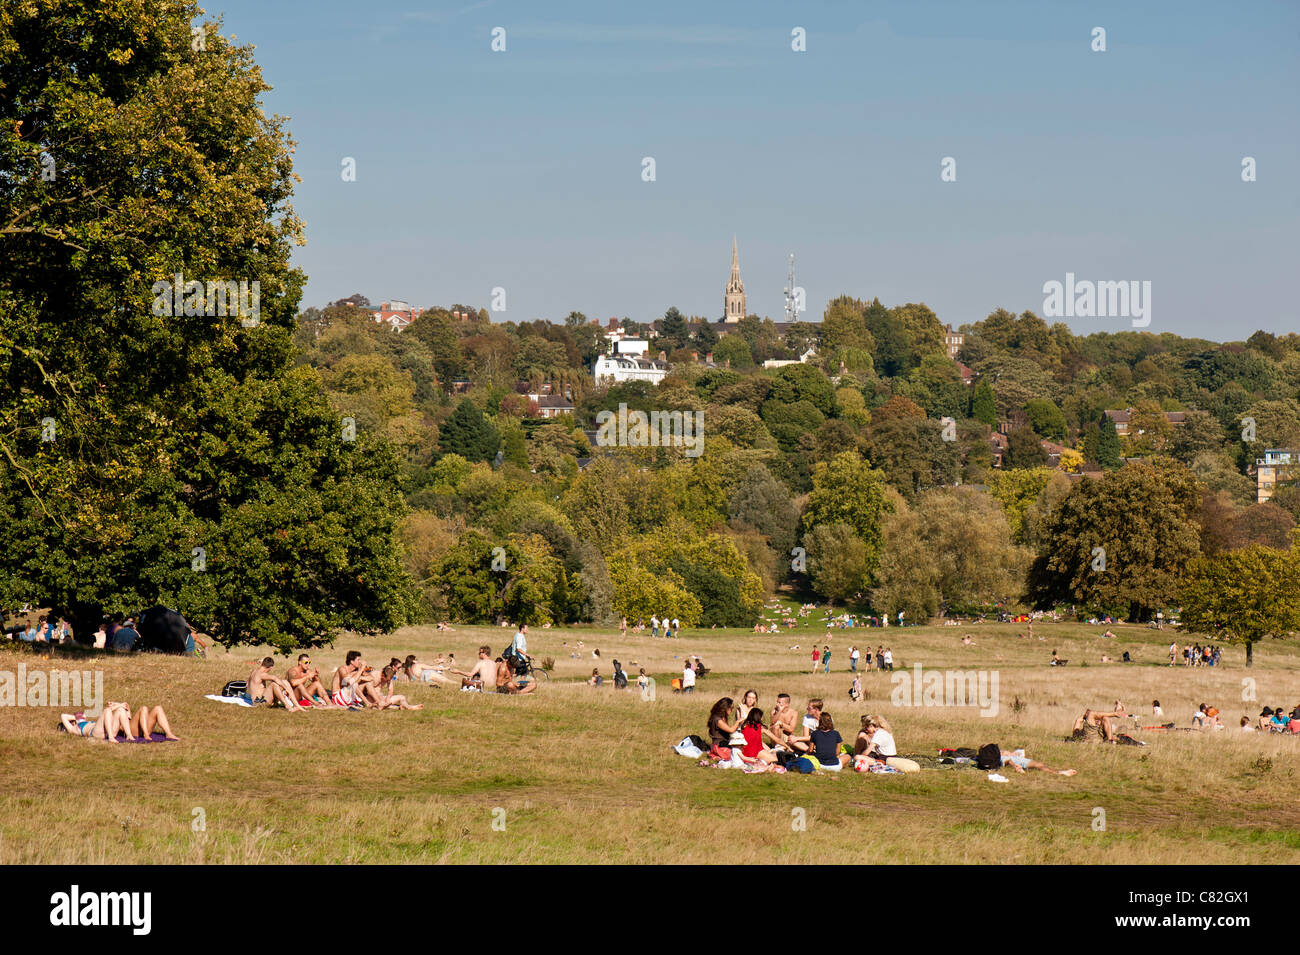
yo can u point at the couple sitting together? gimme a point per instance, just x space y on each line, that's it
750 743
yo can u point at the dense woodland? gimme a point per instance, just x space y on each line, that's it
831 479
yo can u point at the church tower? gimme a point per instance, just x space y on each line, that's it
734 301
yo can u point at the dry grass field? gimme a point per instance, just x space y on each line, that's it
577 774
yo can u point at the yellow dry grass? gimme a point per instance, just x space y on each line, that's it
577 774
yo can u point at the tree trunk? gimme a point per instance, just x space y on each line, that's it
1250 653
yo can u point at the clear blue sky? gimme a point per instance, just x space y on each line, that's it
522 169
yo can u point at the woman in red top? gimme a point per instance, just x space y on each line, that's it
752 730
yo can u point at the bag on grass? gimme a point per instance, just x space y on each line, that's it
989 756
235 688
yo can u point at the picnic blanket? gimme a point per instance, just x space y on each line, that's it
237 700
153 738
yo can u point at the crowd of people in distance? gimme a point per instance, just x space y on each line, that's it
858 659
1107 725
671 626
1195 655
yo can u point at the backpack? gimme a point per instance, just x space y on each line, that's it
517 660
989 756
235 688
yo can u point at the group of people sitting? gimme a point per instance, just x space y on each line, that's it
354 685
739 735
45 630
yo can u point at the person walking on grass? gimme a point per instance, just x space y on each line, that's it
853 659
826 659
816 657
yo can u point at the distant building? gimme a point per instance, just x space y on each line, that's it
631 347
396 314
1122 418
617 369
803 359
1277 466
952 341
733 301
552 406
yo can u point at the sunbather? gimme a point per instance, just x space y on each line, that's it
1102 722
483 674
263 687
1020 762
104 727
304 679
418 672
144 722
390 700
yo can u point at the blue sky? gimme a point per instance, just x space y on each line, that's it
523 169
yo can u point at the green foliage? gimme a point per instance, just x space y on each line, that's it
469 434
207 436
1244 595
1143 518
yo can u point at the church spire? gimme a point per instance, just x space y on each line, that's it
733 303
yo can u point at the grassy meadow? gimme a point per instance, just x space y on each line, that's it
576 774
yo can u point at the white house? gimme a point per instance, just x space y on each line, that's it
618 369
782 362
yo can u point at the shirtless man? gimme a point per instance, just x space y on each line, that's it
507 682
305 681
343 687
263 687
811 719
784 720
483 674
368 687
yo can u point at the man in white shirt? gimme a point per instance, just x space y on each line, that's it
688 678
654 626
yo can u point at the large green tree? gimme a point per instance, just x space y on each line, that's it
1121 542
1245 595
156 443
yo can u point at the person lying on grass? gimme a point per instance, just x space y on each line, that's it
418 672
1021 763
389 700
304 680
146 721
78 725
1102 722
483 674
263 687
